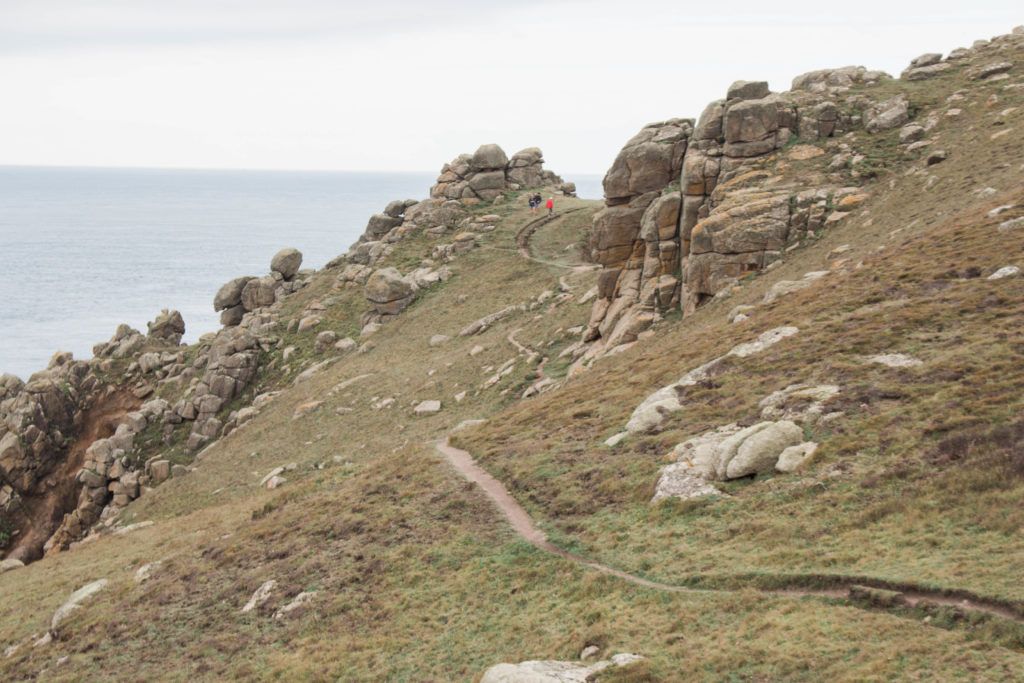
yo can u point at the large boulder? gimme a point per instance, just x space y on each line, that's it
487 180
388 291
750 127
259 292
381 224
554 671
230 294
74 603
489 158
639 169
891 113
747 90
168 326
232 316
286 263
397 207
759 451
526 168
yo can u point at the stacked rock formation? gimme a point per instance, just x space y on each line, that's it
663 245
231 365
488 173
635 237
248 294
168 326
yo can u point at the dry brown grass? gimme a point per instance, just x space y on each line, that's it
419 579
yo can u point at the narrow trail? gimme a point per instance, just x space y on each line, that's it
523 525
526 233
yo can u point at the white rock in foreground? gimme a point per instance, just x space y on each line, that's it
297 606
678 481
74 603
795 457
615 439
1005 271
10 565
428 408
143 573
261 595
133 527
648 416
895 360
731 452
552 671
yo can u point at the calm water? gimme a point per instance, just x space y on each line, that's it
86 249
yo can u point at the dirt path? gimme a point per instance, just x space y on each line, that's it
912 596
526 232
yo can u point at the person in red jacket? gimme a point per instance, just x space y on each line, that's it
550 205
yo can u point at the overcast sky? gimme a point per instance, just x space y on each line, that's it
406 85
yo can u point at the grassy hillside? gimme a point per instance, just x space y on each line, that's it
416 577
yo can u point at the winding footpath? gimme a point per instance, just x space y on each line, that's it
526 232
843 587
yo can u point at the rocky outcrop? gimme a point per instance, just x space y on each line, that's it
691 208
388 292
249 295
488 173
169 327
635 237
38 421
125 342
731 452
231 365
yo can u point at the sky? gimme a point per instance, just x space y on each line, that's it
391 85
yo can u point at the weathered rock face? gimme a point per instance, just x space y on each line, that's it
38 422
635 238
663 245
488 173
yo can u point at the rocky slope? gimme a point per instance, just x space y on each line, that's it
762 406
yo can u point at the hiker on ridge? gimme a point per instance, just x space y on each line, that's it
550 205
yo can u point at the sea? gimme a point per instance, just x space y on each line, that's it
85 249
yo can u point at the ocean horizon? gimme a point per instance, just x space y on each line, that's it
88 248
